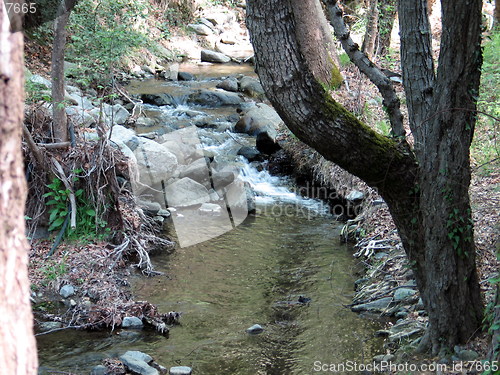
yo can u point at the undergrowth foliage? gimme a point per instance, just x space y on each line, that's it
485 148
102 33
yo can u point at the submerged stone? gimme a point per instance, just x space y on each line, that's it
255 329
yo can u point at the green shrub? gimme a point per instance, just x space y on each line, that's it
103 33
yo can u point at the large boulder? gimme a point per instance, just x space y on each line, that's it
214 98
259 119
158 99
156 163
186 192
120 134
197 171
184 143
229 84
251 87
214 57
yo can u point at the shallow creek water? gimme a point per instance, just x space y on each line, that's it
253 274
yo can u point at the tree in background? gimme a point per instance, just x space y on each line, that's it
60 120
17 343
425 186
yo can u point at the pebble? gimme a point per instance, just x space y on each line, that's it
255 329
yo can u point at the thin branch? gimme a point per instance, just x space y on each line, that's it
54 145
383 83
33 147
72 198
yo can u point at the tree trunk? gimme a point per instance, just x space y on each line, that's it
371 34
17 343
446 277
315 41
387 10
60 120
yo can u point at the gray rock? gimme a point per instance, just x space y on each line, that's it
121 134
35 78
403 293
159 219
200 29
137 362
258 119
150 208
164 213
116 113
186 192
81 101
185 76
379 305
145 122
210 98
250 153
229 84
214 57
156 163
405 329
99 370
173 72
355 196
251 87
222 179
158 99
197 171
180 370
255 329
67 291
131 322
80 116
73 90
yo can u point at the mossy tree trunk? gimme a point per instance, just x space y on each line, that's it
17 343
421 209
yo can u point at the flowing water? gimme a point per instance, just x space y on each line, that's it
282 268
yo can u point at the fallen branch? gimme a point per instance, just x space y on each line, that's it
72 198
54 145
33 147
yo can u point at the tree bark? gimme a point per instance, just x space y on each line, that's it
387 10
420 208
17 344
315 41
371 34
60 120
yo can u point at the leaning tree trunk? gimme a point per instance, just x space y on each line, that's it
446 277
17 343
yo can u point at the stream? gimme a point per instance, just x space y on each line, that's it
283 268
